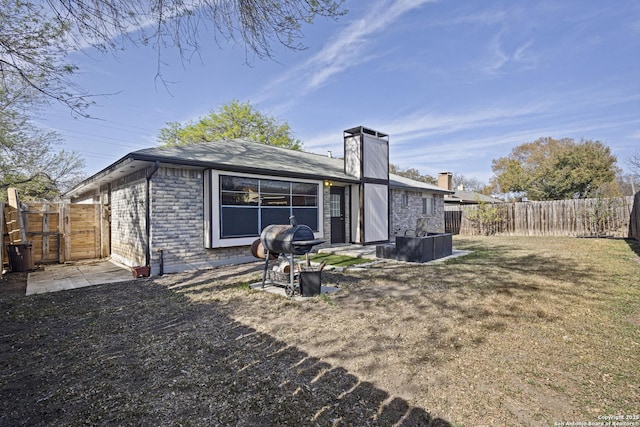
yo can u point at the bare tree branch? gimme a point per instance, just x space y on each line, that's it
35 37
30 161
634 164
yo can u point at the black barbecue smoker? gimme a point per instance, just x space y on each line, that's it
285 242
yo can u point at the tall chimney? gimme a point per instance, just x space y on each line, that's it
445 181
366 158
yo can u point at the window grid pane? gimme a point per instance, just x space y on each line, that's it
234 198
310 201
275 199
277 187
236 183
267 202
238 221
335 205
304 188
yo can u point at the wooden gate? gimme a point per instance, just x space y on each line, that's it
85 230
58 232
42 232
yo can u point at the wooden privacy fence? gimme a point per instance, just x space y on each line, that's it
58 232
452 221
577 217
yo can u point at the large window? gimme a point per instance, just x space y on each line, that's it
248 205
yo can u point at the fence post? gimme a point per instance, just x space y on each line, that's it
1 234
14 202
104 231
97 246
45 231
634 220
63 229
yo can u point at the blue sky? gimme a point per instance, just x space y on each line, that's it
455 84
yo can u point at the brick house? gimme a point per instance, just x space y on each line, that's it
200 206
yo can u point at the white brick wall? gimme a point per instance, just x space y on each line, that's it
177 226
128 235
177 222
405 217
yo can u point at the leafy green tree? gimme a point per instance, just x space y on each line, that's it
411 173
556 169
36 36
30 162
485 217
234 120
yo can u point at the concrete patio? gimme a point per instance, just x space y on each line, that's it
60 277
369 252
355 251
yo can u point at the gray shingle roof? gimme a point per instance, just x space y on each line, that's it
402 183
243 157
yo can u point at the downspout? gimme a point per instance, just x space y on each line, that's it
147 250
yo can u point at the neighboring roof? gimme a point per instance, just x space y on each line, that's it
466 197
237 156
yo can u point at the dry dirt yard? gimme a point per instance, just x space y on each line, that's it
524 331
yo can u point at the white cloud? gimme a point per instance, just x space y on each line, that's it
344 51
407 135
498 56
416 141
479 18
521 53
466 151
425 124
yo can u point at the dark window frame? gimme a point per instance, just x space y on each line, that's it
264 210
404 199
429 205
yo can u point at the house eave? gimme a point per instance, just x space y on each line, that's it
125 166
421 189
